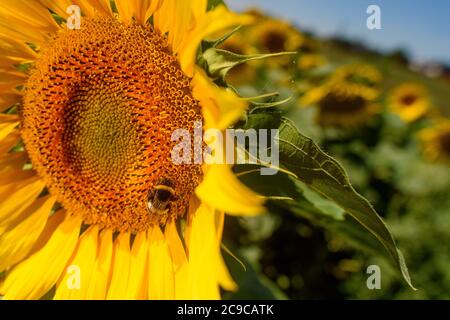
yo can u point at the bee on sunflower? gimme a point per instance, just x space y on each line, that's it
348 97
410 101
436 141
86 181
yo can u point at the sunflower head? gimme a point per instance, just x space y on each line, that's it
436 141
87 175
410 101
97 117
348 97
275 36
361 79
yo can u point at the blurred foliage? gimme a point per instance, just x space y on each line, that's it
310 248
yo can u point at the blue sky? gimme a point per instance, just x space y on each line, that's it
422 27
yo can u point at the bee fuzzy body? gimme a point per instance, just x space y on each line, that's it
160 197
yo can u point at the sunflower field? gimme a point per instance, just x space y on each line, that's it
96 202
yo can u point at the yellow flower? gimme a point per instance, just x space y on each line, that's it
274 36
410 101
348 97
92 204
361 79
436 141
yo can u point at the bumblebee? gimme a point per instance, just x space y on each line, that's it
160 197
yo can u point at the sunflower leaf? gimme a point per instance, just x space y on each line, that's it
326 176
208 44
310 205
321 173
219 62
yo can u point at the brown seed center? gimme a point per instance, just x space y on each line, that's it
99 111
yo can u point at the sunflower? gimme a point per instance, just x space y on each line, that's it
410 101
92 206
274 36
436 141
348 97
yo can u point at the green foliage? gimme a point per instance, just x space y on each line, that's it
219 62
310 165
336 232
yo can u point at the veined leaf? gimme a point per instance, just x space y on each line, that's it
320 172
325 175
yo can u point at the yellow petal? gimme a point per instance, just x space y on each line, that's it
161 278
92 8
13 180
10 79
15 201
16 50
58 6
101 270
121 267
34 13
221 108
175 18
11 75
27 21
213 22
12 162
141 10
74 283
224 277
9 142
221 189
7 124
198 8
203 252
180 262
137 283
9 99
17 242
34 277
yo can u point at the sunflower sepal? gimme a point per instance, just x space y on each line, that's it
219 62
208 44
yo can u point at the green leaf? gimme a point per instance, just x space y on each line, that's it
310 205
325 175
208 44
219 62
251 282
